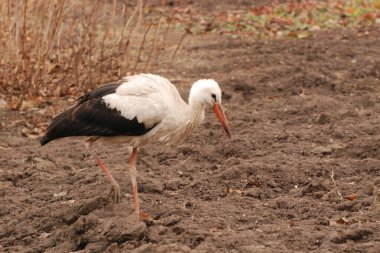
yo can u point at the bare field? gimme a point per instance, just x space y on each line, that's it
300 174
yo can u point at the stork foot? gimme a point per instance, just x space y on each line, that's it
144 216
115 193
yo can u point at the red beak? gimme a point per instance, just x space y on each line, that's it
218 109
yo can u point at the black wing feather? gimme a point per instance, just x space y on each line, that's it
100 92
91 117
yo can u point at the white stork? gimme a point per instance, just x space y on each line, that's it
137 110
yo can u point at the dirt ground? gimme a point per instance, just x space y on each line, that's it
300 174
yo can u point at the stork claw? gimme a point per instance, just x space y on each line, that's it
144 216
115 193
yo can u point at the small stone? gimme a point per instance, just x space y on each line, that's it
60 194
321 150
254 248
323 119
44 235
336 147
150 185
130 229
322 221
3 104
83 208
253 192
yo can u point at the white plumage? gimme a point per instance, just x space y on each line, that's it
138 110
153 99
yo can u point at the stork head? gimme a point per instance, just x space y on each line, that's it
207 93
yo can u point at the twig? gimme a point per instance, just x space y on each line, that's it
178 45
23 35
140 16
24 58
49 44
153 46
166 32
178 164
126 50
69 43
125 25
141 47
110 23
335 185
374 193
90 45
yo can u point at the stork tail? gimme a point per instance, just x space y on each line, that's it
59 128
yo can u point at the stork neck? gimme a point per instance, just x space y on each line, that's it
195 105
197 110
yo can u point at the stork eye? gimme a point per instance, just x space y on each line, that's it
213 96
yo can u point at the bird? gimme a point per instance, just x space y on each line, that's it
137 110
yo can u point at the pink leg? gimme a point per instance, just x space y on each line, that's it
133 172
115 185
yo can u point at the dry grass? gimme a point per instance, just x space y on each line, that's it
62 47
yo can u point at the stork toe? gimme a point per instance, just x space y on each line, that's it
144 216
115 193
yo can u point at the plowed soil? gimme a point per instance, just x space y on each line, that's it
301 172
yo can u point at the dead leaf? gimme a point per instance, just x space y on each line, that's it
60 194
57 91
342 221
44 235
30 103
15 103
351 197
271 98
69 202
30 133
3 104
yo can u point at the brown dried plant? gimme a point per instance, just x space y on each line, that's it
59 47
